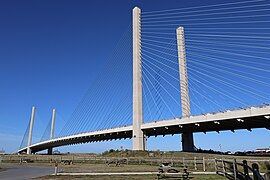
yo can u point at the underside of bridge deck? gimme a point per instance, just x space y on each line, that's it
84 139
248 123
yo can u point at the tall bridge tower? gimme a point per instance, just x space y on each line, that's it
31 130
137 133
187 137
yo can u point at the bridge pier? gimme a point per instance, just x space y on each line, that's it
50 151
187 142
29 151
187 137
137 133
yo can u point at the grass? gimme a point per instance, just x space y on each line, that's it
267 166
134 177
99 168
103 168
138 161
171 154
132 154
2 169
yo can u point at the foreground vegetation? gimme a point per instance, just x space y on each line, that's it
134 177
132 161
102 168
147 160
178 154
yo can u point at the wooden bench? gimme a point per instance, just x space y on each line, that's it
67 162
166 169
26 161
113 162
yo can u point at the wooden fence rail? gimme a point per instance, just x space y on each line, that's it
237 171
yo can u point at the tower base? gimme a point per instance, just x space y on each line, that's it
139 142
187 142
50 151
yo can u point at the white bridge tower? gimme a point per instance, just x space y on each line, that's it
187 137
138 135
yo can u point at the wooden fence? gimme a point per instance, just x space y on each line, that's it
237 171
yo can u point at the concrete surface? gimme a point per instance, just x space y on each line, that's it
23 172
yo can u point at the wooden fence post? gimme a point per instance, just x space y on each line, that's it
204 164
195 163
235 169
223 167
55 168
256 172
216 169
246 169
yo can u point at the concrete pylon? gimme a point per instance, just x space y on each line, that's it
187 137
137 136
52 123
30 131
50 150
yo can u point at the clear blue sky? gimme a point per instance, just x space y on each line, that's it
52 51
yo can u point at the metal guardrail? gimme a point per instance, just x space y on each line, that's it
232 170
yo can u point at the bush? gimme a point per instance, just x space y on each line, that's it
111 151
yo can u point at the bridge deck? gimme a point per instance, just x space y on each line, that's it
254 117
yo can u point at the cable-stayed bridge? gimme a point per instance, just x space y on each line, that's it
196 69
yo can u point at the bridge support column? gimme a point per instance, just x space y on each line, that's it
30 131
50 150
137 134
187 137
